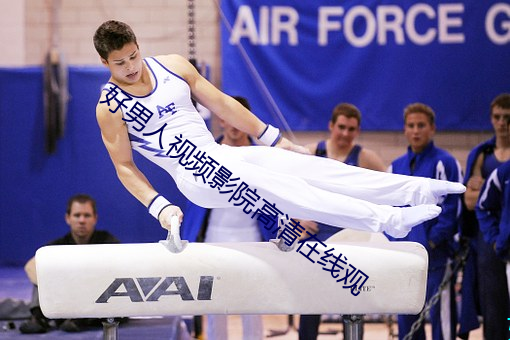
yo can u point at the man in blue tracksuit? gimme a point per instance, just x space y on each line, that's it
493 212
484 277
469 230
424 159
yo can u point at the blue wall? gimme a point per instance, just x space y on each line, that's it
35 185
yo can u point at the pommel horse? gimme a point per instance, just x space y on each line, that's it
174 277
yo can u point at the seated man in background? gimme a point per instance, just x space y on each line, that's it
81 216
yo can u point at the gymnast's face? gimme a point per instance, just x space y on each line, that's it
419 131
82 221
344 130
125 64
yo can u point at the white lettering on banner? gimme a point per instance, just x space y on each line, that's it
325 25
391 18
490 22
371 27
244 27
413 35
446 21
284 19
274 21
383 24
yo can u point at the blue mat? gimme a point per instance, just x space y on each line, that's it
134 329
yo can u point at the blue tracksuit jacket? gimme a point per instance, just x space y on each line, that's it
436 163
493 210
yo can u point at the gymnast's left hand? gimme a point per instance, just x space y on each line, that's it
286 144
167 213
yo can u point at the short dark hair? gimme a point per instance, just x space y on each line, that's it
502 100
348 110
112 35
244 102
81 198
420 108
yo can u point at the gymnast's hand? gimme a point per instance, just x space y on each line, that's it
286 144
310 226
166 214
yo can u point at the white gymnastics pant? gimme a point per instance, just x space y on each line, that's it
311 187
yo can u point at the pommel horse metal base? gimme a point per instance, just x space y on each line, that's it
127 280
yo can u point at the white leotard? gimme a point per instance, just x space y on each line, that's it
170 107
165 127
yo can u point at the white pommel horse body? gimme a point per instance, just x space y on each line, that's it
127 280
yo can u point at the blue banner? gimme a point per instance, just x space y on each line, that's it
295 60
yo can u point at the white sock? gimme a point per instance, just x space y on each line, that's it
412 216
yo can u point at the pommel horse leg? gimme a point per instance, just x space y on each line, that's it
280 243
110 329
353 328
353 323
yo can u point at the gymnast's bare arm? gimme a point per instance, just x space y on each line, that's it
224 106
115 138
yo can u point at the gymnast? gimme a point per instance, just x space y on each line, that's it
147 106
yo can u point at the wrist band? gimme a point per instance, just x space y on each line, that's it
157 205
270 136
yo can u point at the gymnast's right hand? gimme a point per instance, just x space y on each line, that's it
166 215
